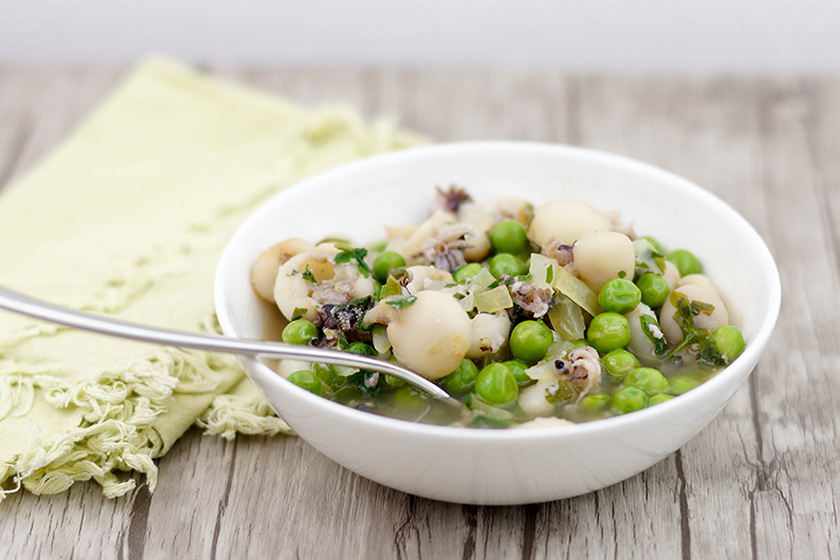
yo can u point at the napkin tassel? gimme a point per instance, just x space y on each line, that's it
119 406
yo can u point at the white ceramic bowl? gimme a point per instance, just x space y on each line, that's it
503 466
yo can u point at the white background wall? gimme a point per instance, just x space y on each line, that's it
628 35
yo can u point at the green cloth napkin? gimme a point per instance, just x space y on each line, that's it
129 217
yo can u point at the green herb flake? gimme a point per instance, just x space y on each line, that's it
649 325
702 307
298 313
559 392
327 374
353 253
362 303
709 356
648 259
660 261
342 343
307 275
684 314
401 302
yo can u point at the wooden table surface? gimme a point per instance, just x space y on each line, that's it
762 481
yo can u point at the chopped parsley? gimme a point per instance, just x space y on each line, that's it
401 302
307 275
708 354
354 253
649 326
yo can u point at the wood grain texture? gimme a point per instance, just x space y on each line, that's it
760 482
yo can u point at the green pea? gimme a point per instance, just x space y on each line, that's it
383 264
362 349
629 399
608 331
496 384
619 295
680 385
649 380
509 236
660 398
505 264
466 272
462 379
686 262
530 340
307 380
408 403
729 342
518 367
655 244
392 381
619 363
594 401
654 289
299 331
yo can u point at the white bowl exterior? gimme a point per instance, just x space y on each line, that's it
513 466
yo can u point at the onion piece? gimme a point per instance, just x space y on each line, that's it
483 278
345 371
567 318
468 302
493 300
539 270
573 287
380 339
542 370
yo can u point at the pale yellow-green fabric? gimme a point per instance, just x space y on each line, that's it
129 217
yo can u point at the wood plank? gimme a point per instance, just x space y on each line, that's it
797 487
824 143
78 523
181 518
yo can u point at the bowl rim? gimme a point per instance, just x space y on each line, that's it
623 163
